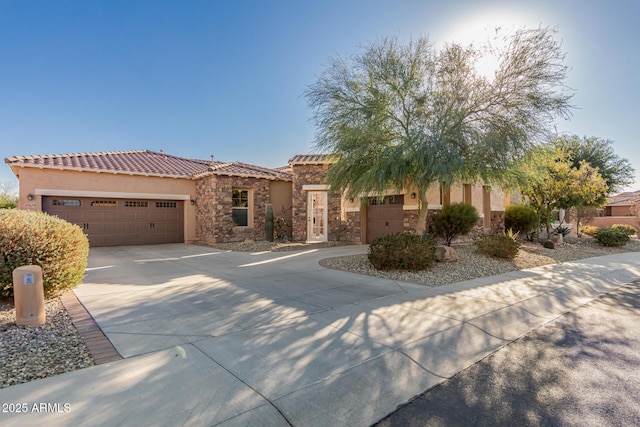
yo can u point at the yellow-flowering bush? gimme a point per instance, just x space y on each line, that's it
627 229
589 230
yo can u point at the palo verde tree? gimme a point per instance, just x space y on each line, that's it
549 181
399 116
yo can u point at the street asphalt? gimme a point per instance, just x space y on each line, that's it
211 337
582 369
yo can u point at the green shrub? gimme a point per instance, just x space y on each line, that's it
497 246
610 237
455 220
521 219
402 251
35 238
589 230
629 230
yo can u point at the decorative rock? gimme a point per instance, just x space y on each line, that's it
530 249
32 352
446 254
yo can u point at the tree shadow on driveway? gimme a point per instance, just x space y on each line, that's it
582 369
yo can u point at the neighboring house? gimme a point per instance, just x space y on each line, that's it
623 204
620 209
147 197
320 215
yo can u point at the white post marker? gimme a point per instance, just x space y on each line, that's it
28 295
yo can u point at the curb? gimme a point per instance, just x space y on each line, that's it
98 344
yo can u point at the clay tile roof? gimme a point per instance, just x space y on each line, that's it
310 159
286 169
246 170
142 162
624 199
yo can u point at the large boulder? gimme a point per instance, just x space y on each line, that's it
446 254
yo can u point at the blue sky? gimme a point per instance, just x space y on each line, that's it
196 78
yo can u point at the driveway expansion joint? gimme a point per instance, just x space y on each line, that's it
246 384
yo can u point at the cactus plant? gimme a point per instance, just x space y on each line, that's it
268 224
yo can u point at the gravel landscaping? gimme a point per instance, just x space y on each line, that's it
32 352
473 264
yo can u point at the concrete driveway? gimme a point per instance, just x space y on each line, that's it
220 338
580 370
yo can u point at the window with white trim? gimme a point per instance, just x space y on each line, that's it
240 207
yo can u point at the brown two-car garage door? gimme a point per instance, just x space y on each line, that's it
115 222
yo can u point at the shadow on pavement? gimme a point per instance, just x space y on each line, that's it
581 369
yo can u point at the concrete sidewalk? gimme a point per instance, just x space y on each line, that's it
220 338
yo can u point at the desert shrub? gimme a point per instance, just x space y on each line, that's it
497 246
625 228
402 251
457 219
589 230
548 244
611 237
35 238
521 219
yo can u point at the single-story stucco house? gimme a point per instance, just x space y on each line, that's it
147 197
623 204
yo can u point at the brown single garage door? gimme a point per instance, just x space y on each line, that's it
115 222
384 216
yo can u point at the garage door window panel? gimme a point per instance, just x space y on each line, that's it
104 203
172 205
136 204
67 202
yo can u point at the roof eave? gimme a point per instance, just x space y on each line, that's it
315 162
98 171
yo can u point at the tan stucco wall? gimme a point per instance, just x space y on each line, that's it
34 180
498 198
477 197
620 210
456 193
608 221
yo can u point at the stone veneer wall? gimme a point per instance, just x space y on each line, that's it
411 219
351 228
214 222
497 221
316 175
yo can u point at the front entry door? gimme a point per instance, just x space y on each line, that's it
317 216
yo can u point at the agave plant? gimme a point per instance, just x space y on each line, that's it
562 229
